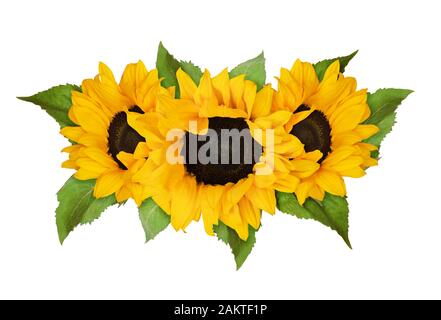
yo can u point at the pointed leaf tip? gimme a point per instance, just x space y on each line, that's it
253 69
56 101
321 66
241 249
383 104
153 219
333 211
77 205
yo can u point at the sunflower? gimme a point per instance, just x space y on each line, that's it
327 116
233 192
106 148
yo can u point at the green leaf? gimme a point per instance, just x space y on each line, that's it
153 219
333 211
383 104
77 205
322 66
253 70
385 126
56 101
193 71
241 249
167 66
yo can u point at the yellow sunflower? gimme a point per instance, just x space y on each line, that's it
106 148
327 116
233 192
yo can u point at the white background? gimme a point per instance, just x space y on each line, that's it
395 221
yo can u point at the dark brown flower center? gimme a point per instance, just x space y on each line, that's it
314 132
122 137
227 153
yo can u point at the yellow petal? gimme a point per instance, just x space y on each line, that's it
93 140
85 174
83 100
290 100
338 155
331 182
72 116
234 192
304 168
222 111
221 85
71 149
288 79
366 130
90 121
345 139
205 95
350 164
111 97
106 73
69 164
275 119
329 93
296 118
278 102
347 120
287 183
309 79
141 151
355 172
317 193
264 199
72 133
237 87
303 191
147 126
358 99
232 217
367 146
128 82
264 180
123 194
142 74
249 96
291 147
262 103
210 206
137 193
186 85
249 213
126 158
163 200
100 157
184 199
313 155
171 91
92 166
108 183
177 108
333 71
242 228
